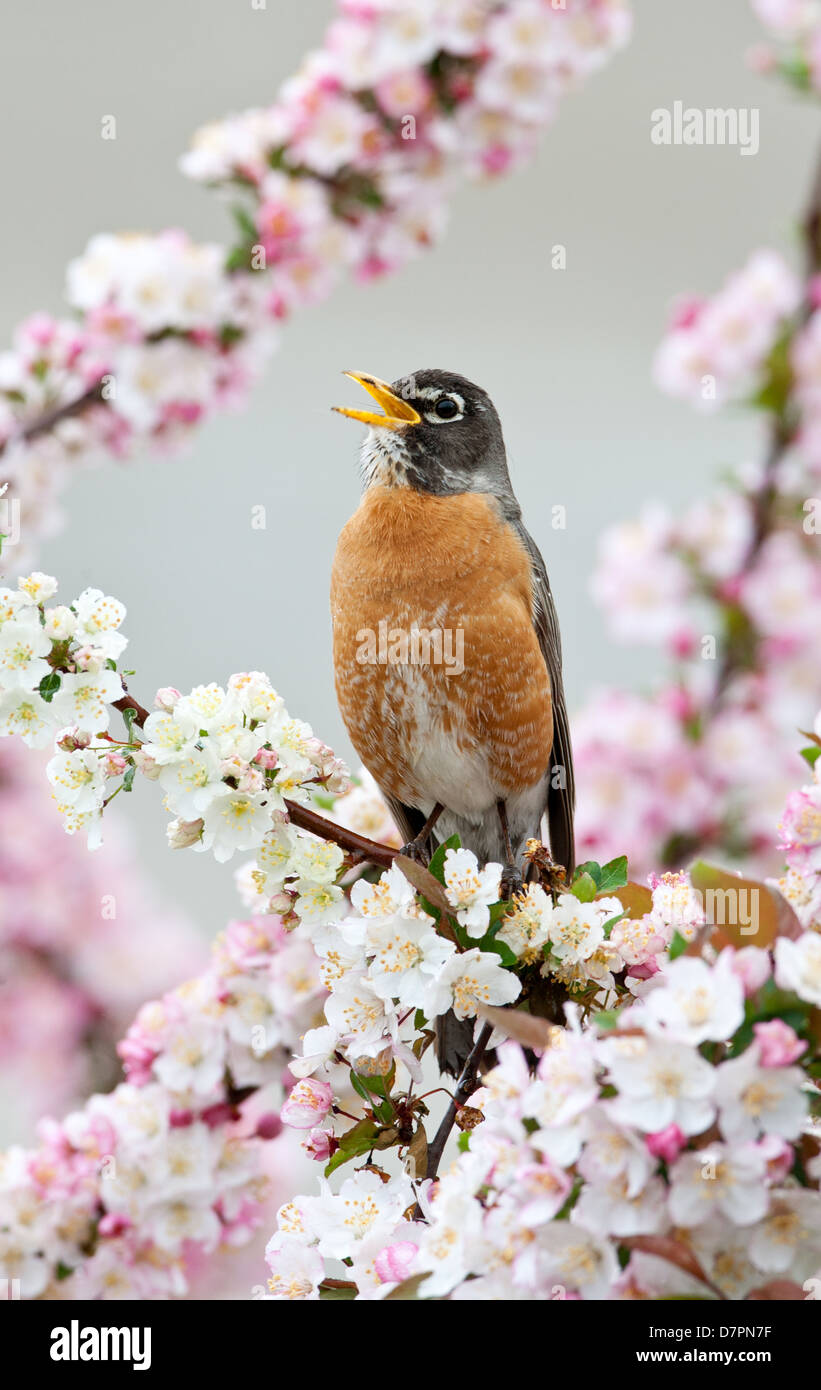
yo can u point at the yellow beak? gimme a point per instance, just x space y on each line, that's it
397 414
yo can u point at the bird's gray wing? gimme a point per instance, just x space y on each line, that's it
561 799
408 820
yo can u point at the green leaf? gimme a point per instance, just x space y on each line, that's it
49 686
419 1021
774 392
677 946
110 663
238 259
614 875
329 1295
229 334
437 863
490 942
610 924
128 777
463 1142
408 1290
359 1086
358 1140
811 755
584 888
245 222
591 869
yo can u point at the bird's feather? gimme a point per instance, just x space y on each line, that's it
561 799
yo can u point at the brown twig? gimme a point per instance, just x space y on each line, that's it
782 433
372 851
45 422
468 1082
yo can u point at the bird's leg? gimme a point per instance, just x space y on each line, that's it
511 874
416 848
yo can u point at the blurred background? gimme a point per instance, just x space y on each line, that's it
565 354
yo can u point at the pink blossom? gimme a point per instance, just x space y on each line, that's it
166 698
779 1156
753 968
394 1263
779 1044
666 1143
318 1145
269 1126
308 1104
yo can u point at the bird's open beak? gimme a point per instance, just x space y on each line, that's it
397 414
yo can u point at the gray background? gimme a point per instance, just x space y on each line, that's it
565 355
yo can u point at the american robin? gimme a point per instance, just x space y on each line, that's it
447 653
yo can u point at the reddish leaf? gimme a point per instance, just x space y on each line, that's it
777 1291
666 1248
636 900
423 881
745 911
523 1028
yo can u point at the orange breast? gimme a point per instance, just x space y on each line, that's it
466 713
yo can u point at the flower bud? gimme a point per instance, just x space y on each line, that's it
778 1043
182 833
318 1145
308 1104
146 765
269 1126
666 1143
166 698
89 658
60 623
69 740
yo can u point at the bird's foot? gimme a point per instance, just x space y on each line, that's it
416 851
512 882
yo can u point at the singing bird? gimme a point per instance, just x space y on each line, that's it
447 653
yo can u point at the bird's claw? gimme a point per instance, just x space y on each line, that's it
512 882
413 850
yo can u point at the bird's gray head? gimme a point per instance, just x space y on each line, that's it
439 433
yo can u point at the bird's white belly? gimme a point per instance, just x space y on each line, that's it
445 762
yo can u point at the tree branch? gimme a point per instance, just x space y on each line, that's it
468 1082
46 422
365 850
782 432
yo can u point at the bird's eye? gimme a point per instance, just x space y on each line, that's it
446 408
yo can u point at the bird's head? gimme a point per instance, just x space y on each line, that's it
436 432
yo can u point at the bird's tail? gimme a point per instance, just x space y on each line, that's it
561 796
454 1042
560 827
